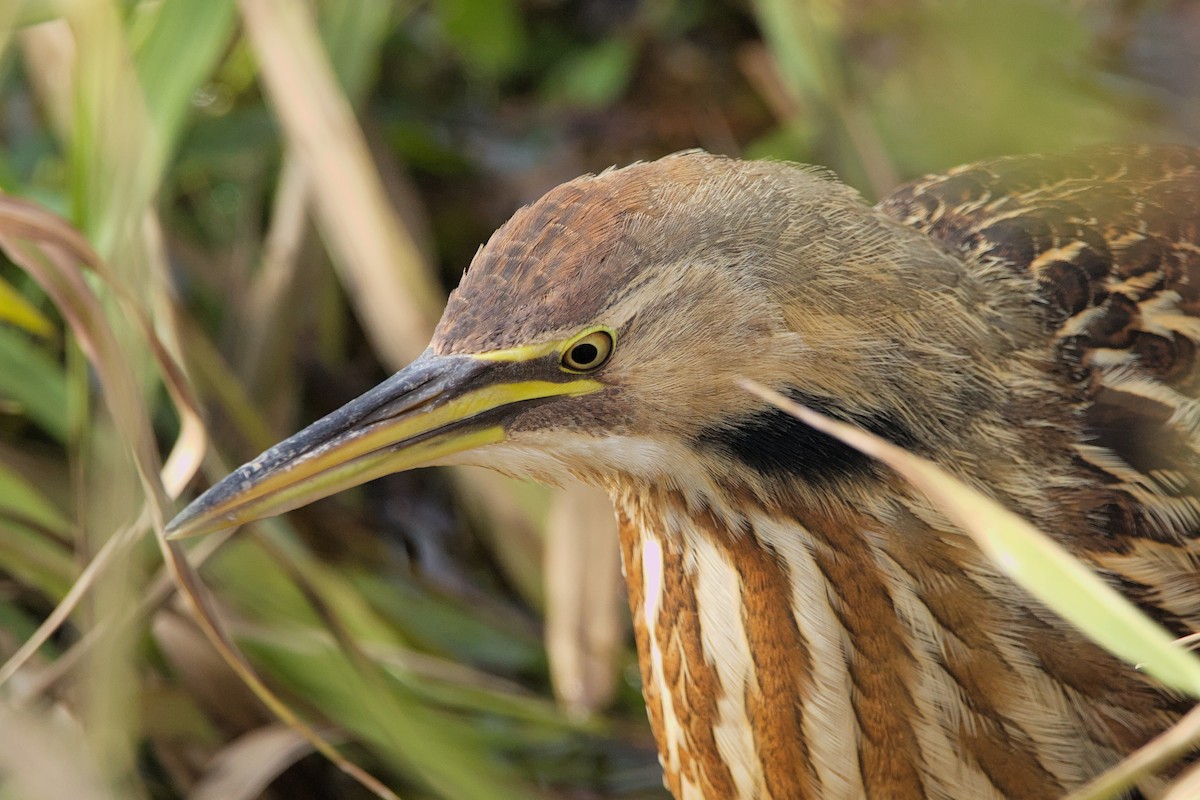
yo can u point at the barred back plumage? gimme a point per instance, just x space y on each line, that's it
808 626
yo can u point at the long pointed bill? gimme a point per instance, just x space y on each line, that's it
433 408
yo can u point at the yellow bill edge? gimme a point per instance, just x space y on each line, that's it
437 406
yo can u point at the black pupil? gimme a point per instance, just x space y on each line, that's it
584 354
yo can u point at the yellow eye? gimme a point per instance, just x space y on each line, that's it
588 352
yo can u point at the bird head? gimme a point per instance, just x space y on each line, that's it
601 331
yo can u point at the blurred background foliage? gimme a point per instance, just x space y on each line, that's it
278 194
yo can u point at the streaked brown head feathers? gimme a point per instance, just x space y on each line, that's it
755 269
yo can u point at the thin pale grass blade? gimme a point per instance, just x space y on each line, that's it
354 34
117 545
161 588
192 590
16 310
48 50
265 358
187 453
1191 641
584 594
1053 576
1161 751
381 267
1029 557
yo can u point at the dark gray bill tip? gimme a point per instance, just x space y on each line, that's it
425 384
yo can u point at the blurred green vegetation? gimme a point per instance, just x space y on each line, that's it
402 620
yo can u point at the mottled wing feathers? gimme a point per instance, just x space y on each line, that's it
1112 239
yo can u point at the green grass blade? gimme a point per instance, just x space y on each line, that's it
35 381
176 48
16 310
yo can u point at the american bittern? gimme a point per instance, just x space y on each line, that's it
807 625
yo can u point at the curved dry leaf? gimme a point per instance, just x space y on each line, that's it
247 766
55 254
52 252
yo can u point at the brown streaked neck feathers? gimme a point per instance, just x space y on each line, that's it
815 655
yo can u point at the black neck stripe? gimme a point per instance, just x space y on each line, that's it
773 442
